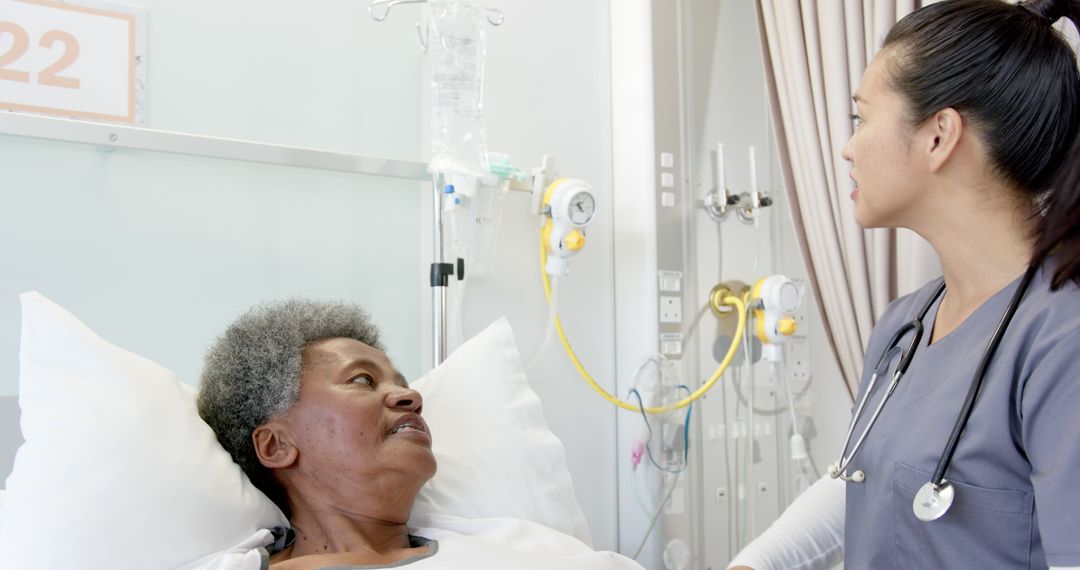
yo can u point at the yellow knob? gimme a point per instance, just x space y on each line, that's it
787 327
574 240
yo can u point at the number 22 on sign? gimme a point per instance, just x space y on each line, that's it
66 59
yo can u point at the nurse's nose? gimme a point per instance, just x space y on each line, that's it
845 153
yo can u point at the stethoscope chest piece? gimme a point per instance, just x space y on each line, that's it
932 501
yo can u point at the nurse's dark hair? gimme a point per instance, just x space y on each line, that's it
252 373
1014 78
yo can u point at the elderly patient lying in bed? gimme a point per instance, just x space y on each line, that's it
305 400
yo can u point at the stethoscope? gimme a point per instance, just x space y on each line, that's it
936 496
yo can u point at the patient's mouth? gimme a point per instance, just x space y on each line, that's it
410 426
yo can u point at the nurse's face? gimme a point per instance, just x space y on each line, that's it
886 187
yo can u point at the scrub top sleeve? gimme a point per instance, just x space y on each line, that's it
1050 432
809 535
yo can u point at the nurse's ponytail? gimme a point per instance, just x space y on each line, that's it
1058 226
1015 78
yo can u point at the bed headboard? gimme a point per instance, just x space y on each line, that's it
10 435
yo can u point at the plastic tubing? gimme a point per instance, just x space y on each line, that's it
734 301
549 330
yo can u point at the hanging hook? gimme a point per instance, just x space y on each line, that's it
422 35
380 9
494 17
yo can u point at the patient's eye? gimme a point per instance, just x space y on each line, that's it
363 378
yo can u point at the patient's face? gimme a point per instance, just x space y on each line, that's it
357 424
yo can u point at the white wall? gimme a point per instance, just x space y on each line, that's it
547 91
726 101
730 104
226 235
158 252
634 162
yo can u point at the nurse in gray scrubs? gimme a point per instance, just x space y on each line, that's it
967 134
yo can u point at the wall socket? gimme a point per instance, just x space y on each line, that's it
670 309
798 360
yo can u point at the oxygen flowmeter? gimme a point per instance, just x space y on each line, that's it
774 300
569 205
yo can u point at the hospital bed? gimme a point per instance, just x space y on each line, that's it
118 471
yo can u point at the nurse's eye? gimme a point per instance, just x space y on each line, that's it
364 378
856 120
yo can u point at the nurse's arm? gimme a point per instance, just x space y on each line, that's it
809 535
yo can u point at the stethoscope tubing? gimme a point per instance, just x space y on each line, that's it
915 326
845 457
980 375
945 460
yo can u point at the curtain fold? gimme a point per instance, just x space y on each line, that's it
815 54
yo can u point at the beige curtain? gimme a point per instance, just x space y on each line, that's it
815 54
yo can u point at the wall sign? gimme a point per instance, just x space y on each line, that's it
74 60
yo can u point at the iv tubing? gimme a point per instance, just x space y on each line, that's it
740 311
659 509
549 330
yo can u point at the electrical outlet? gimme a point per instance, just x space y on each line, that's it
798 361
670 309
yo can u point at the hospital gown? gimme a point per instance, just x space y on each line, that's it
462 544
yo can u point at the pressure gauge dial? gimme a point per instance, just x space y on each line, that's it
570 205
582 207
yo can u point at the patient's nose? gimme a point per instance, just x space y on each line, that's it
405 398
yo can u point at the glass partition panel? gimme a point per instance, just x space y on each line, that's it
157 252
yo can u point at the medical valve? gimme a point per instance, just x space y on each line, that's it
574 241
787 326
775 299
570 205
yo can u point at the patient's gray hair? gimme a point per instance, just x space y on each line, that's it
252 371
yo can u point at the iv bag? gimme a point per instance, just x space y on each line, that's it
457 51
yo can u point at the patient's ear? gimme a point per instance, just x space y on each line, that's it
273 445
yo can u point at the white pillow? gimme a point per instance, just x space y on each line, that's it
117 470
496 455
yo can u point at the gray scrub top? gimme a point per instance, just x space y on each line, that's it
1016 471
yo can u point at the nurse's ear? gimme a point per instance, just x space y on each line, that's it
943 132
273 445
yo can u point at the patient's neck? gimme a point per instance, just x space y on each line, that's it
328 533
356 536
340 540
